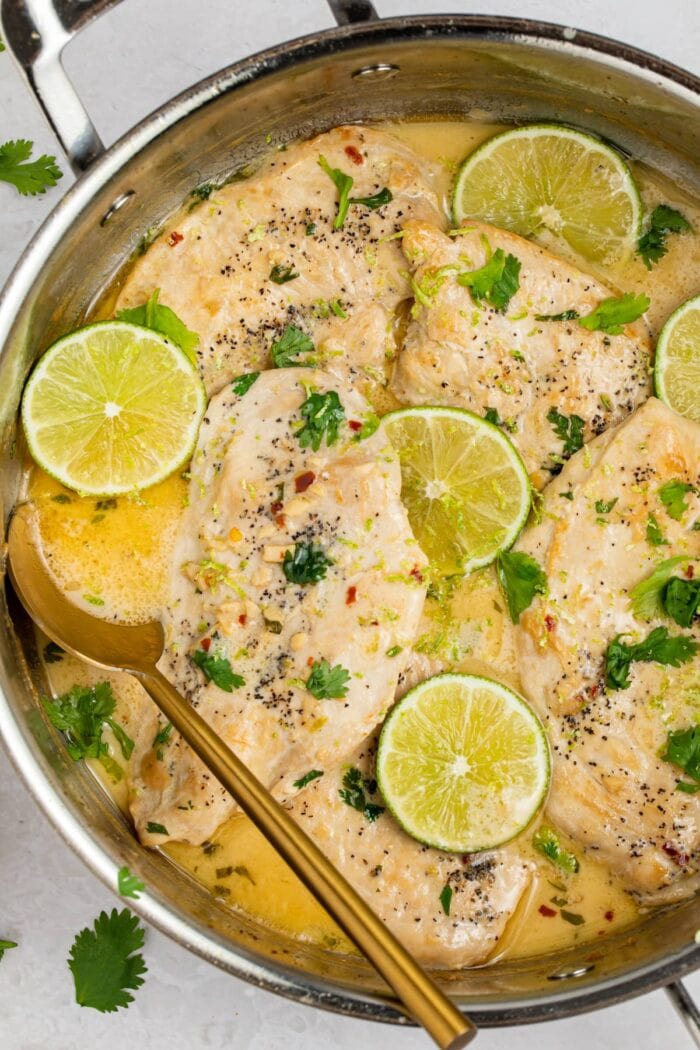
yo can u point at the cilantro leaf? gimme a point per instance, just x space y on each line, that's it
612 314
129 885
384 196
160 740
156 829
681 600
491 416
569 430
322 415
565 315
445 898
343 184
306 564
162 319
572 917
654 534
547 842
217 669
81 714
370 425
282 274
5 946
496 282
603 506
242 384
646 598
673 494
683 750
313 774
353 794
290 344
662 221
104 962
658 647
520 579
28 177
326 682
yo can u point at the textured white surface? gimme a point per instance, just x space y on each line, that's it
124 66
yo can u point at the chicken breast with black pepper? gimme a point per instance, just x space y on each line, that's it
296 591
622 506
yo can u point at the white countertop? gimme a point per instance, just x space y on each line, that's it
125 65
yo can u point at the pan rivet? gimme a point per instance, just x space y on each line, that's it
116 204
564 975
381 71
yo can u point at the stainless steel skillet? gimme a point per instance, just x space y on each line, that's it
509 69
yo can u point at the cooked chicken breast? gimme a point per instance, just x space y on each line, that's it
458 352
401 879
257 494
215 265
611 789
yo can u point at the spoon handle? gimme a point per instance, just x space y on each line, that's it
418 993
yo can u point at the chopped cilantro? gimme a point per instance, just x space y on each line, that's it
343 184
491 416
322 415
81 714
353 794
446 898
384 196
394 650
104 962
611 315
28 177
681 600
306 564
217 669
160 740
547 842
370 424
654 534
313 774
572 917
569 494
156 829
603 506
290 344
662 221
242 384
646 598
683 750
658 647
310 229
673 494
326 682
165 321
520 579
282 274
496 282
5 946
565 315
129 885
569 430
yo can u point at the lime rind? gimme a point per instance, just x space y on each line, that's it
112 408
460 522
463 763
677 361
585 197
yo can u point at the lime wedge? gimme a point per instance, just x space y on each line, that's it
677 367
112 408
463 763
463 484
556 185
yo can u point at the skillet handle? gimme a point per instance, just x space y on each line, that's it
36 32
686 1007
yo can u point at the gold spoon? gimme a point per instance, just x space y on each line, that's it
137 649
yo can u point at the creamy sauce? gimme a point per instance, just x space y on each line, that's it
114 556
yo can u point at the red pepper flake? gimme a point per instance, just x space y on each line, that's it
205 644
310 662
690 572
276 507
355 424
549 622
675 854
354 154
593 690
416 574
281 521
175 238
351 596
609 915
548 912
302 481
243 619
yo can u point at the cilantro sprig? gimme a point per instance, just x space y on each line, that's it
662 221
520 579
569 430
611 315
683 750
285 350
673 494
312 775
81 714
326 682
305 564
282 274
546 841
353 794
344 183
496 282
129 885
106 963
29 177
322 414
217 669
162 319
658 647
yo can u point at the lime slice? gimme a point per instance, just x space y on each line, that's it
677 367
463 484
112 408
553 184
463 763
